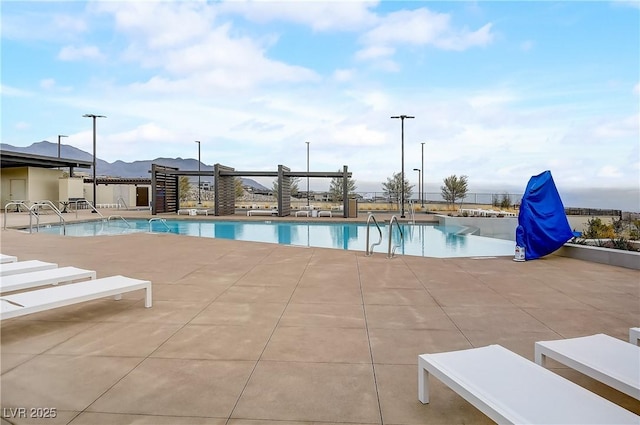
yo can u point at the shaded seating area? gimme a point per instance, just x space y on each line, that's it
270 212
195 211
165 188
511 389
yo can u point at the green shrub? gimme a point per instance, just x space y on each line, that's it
596 229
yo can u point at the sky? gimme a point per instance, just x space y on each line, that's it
500 91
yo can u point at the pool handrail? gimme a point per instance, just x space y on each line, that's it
161 220
391 252
31 214
369 249
88 203
120 217
46 203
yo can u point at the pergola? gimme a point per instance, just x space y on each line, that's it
164 183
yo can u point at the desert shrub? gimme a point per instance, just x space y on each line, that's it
617 225
617 243
596 229
506 201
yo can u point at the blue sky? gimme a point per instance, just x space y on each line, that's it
501 91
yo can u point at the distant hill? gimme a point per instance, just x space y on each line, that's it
118 168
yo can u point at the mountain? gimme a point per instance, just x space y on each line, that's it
118 168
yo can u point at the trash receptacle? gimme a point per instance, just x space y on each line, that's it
353 208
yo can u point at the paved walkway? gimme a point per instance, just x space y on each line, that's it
250 333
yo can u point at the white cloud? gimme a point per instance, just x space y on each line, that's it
13 91
70 24
422 27
375 52
73 53
47 83
161 25
21 125
39 24
636 89
527 45
629 3
609 171
619 128
319 15
193 51
343 75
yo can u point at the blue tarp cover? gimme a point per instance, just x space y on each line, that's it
542 223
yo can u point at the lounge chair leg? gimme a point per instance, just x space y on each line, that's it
423 384
118 297
538 357
147 299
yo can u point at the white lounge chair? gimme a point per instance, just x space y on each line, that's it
63 295
325 214
7 259
602 357
262 212
511 389
304 213
8 269
634 336
21 281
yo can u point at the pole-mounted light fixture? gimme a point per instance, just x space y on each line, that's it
59 137
419 174
94 116
199 199
402 118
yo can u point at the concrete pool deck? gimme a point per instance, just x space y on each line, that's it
252 333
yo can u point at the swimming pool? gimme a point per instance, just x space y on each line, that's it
419 239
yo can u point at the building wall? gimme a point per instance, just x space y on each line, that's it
40 184
6 176
43 184
110 194
70 187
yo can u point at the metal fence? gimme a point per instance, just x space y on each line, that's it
436 197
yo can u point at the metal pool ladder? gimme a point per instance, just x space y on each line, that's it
369 249
84 201
161 220
32 214
392 250
35 208
120 217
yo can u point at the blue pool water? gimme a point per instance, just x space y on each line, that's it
420 240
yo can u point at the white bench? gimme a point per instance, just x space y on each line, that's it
304 213
8 269
21 281
511 389
262 212
634 336
7 259
60 296
602 357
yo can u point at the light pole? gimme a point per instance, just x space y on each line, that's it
307 174
402 117
419 174
199 200
59 136
94 116
422 192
